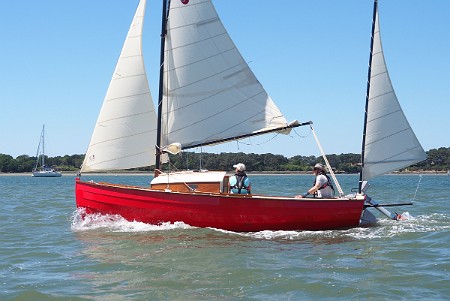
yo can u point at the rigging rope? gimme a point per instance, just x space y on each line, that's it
341 193
418 184
305 136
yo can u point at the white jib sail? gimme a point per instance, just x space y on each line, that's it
390 142
125 132
210 93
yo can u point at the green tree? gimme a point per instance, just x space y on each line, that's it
4 162
437 159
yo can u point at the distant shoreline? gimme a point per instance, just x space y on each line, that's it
259 173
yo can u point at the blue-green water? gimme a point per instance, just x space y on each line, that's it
48 253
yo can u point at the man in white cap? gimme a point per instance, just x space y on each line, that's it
239 183
322 188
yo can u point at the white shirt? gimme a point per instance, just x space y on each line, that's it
326 192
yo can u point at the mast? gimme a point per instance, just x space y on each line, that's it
43 145
161 82
375 10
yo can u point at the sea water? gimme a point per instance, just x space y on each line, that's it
48 253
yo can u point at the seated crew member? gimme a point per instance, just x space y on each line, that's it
323 187
239 182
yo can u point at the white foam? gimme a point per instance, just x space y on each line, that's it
383 228
280 234
392 228
115 223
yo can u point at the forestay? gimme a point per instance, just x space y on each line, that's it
390 142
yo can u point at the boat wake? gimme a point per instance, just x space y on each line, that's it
115 223
391 228
382 229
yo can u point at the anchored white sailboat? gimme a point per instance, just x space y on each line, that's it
40 169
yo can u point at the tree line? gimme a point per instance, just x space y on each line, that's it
437 160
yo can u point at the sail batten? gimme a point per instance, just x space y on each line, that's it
390 142
207 58
209 97
380 95
200 80
384 115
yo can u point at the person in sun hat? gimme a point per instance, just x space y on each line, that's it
239 182
323 187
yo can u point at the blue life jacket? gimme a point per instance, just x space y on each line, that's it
239 183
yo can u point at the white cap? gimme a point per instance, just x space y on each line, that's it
319 166
239 166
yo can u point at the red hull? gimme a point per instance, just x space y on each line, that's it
222 211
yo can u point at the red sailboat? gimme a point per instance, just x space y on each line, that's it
203 82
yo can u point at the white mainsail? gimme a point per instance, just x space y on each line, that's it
210 93
390 142
125 132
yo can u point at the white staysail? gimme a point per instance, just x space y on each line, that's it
125 132
390 142
210 93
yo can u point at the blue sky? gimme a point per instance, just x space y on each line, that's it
57 59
